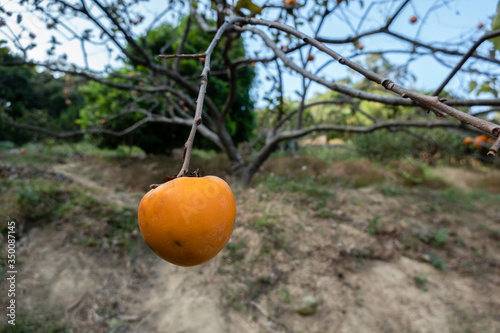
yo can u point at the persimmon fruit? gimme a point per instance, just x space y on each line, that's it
467 141
188 220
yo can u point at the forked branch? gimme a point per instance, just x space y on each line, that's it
197 120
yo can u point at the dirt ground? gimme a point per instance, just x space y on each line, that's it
374 260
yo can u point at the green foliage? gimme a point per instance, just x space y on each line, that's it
36 199
307 186
122 220
235 251
248 4
440 236
32 98
330 154
104 103
384 145
436 237
439 264
266 222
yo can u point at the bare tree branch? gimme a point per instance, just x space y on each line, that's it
201 97
181 45
433 103
181 56
466 56
294 134
148 119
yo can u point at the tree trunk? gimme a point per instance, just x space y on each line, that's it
242 176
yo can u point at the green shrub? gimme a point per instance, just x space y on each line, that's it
37 199
385 145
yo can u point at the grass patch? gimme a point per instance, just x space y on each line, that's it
331 154
273 237
374 226
421 282
235 252
50 152
37 199
436 237
308 186
34 202
453 199
30 323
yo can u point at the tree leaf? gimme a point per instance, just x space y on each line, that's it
248 4
472 85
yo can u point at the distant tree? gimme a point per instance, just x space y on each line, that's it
291 39
104 102
36 99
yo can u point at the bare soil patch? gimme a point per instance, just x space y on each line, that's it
375 260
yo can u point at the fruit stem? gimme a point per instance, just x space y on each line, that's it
197 119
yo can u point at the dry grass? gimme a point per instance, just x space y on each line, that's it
364 239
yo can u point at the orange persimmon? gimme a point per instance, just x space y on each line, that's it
478 140
188 220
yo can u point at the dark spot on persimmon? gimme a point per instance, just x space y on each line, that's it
178 243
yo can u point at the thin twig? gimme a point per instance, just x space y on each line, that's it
466 56
154 118
494 149
181 44
188 147
183 56
77 301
